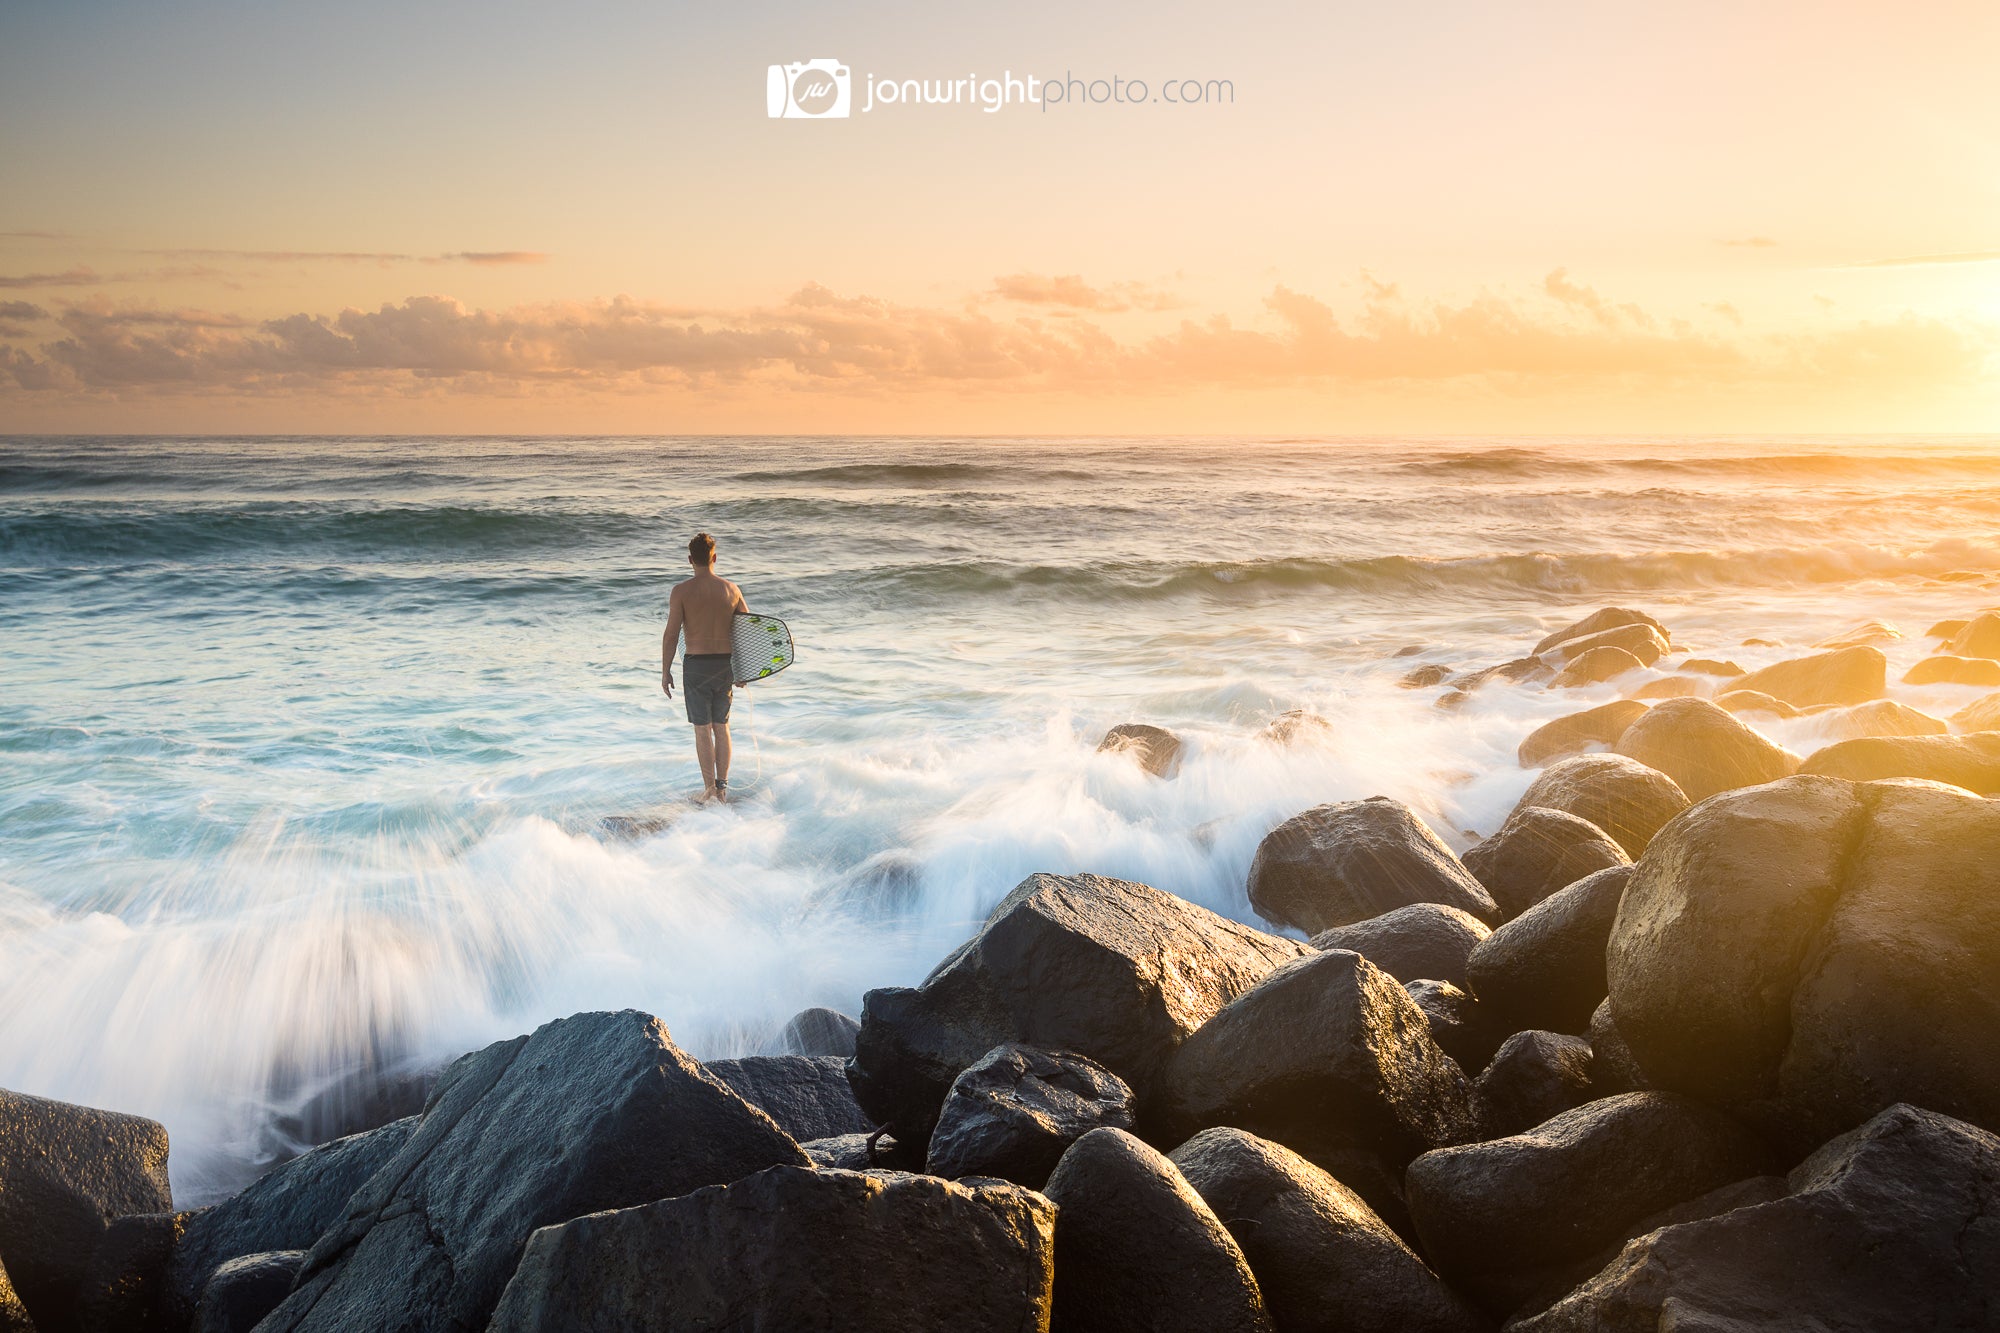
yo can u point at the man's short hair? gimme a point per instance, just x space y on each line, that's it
701 549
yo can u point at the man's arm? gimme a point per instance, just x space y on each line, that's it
667 642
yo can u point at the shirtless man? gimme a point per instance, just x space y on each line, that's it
705 607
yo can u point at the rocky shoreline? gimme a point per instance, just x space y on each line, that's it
1705 1036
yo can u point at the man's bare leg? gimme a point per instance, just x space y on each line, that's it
719 748
704 750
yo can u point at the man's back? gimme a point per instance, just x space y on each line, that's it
708 604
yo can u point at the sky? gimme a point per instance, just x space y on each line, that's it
1520 218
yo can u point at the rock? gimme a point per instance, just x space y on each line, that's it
1971 762
1844 676
1754 701
1642 642
1762 643
1709 666
1622 796
596 1111
1345 862
1613 1068
1295 725
795 1249
1595 667
1326 1049
1138 1250
245 1289
1545 968
1978 637
1704 749
1500 1219
13 1315
850 1152
1887 1227
1451 701
1577 732
1323 1260
125 1286
1813 951
288 1208
807 1095
1667 687
1408 650
1112 970
1883 717
66 1171
1422 677
1611 617
1521 671
1946 629
1421 940
1871 631
1534 1076
819 1032
1014 1113
1538 851
1943 670
1156 749
1979 715
1457 1022
378 1093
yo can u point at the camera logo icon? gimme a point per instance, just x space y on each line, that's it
808 90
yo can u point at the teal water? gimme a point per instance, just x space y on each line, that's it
306 741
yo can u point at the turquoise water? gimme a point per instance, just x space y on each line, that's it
306 741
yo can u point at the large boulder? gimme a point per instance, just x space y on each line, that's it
1345 862
1613 1067
1641 642
1704 749
288 1208
1978 637
1611 617
126 1284
1868 631
808 1095
1138 1250
1622 796
1324 1261
66 1171
1881 717
1421 940
14 1316
1890 1226
819 1031
1014 1112
1844 676
1154 749
1538 851
1813 951
845 1251
240 1292
1534 1076
1595 667
1947 670
1462 1028
1545 968
1500 1219
1971 762
1754 701
1578 732
1327 1049
1668 687
1979 715
1112 970
591 1112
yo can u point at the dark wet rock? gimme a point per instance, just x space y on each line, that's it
1324 1261
1015 1111
1810 952
819 1032
1295 725
1613 1067
1667 687
1154 749
1710 666
1500 1218
1704 749
1345 862
1944 670
1534 1076
126 1283
1622 796
850 1152
1326 1047
1425 676
358 1100
1595 667
65 1171
1421 940
1754 701
795 1249
1611 617
1138 1250
1461 1027
1520 671
288 1208
1844 676
1883 717
241 1292
1971 762
1112 970
807 1095
1545 968
1890 1226
1641 642
14 1316
1537 852
596 1111
1599 726
1979 715
1978 637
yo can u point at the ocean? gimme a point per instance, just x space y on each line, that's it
306 744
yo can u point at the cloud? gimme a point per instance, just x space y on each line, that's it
492 257
1749 242
79 276
358 256
1070 292
1969 257
82 275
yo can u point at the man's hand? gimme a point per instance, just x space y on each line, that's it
667 684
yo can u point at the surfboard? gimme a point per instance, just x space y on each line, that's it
759 647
